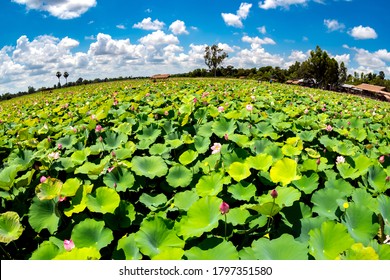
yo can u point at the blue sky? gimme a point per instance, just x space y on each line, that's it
102 38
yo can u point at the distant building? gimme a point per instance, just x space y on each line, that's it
160 76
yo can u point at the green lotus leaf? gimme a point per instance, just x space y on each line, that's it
210 184
129 247
187 157
91 169
223 251
259 162
358 220
359 252
325 202
123 216
307 135
358 134
223 126
80 156
153 201
25 180
10 227
170 253
307 184
265 249
286 196
125 128
70 187
307 224
87 253
241 140
102 112
312 153
377 179
242 191
184 200
119 179
179 176
91 233
150 167
329 241
127 152
104 200
159 149
384 210
239 171
46 251
7 177
79 201
67 141
267 209
154 237
284 171
201 144
237 216
383 250
43 215
22 160
202 216
362 197
149 133
113 140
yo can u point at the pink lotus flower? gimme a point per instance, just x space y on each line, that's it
98 128
221 109
382 159
68 244
42 179
59 146
226 136
274 193
195 100
110 169
249 107
54 155
62 198
340 159
329 128
224 208
306 111
216 148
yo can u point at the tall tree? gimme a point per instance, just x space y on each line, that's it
59 74
342 73
213 57
66 75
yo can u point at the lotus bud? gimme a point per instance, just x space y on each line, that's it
274 194
224 208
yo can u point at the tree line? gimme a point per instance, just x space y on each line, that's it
319 70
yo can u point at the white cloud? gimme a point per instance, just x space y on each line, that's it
262 29
258 41
63 9
235 20
178 27
298 56
273 4
121 26
361 33
148 24
159 38
333 25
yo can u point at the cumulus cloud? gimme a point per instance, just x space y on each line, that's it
235 20
63 9
148 24
262 29
333 25
178 27
363 32
256 41
273 4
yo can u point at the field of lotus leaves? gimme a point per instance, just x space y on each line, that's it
194 169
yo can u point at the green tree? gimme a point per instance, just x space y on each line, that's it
59 74
213 57
66 75
342 73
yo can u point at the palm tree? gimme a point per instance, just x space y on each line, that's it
58 74
66 75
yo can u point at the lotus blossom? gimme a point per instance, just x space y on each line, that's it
306 111
340 159
249 107
59 146
110 169
195 100
42 179
221 109
329 128
98 128
62 198
224 208
226 136
382 159
274 193
68 244
216 148
54 155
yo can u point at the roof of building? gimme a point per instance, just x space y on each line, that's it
371 88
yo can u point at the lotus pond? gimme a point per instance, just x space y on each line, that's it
194 169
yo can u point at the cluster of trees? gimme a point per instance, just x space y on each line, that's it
319 70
